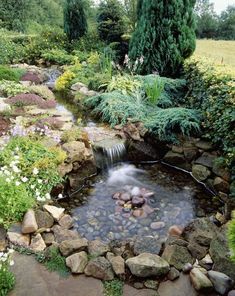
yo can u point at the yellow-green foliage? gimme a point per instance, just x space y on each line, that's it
212 90
73 134
231 236
94 58
219 51
127 84
64 81
43 91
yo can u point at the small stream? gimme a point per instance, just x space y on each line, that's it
176 198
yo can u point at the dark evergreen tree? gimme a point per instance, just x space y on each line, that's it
110 21
164 37
75 23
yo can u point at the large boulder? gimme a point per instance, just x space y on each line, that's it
177 256
70 246
221 282
99 268
77 262
146 265
200 281
29 224
76 151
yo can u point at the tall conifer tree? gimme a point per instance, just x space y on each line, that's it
75 23
165 35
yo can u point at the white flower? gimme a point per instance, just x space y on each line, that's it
11 263
24 179
60 196
39 181
37 193
8 180
35 171
10 251
16 157
17 149
32 186
17 183
15 169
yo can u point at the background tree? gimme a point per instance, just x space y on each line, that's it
164 37
13 14
110 21
206 19
75 23
130 7
227 24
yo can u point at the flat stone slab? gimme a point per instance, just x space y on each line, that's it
32 278
130 291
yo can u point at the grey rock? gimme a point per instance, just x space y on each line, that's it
64 234
97 248
200 172
77 262
48 238
174 158
44 219
187 268
66 222
200 281
15 236
37 243
99 268
221 185
173 274
3 239
177 256
204 145
206 159
231 293
68 247
29 224
147 244
55 212
146 265
76 151
151 284
118 265
197 251
222 283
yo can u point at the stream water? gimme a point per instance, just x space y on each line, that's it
176 198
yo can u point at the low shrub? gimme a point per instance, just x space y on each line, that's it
212 90
74 134
34 78
64 82
14 200
116 108
55 262
31 100
127 84
42 91
12 74
11 88
30 169
113 288
58 57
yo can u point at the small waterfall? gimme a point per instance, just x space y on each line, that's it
52 74
108 152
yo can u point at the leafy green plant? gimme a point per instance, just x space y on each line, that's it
12 74
55 262
154 90
73 134
11 88
212 91
65 81
7 279
113 288
14 201
58 56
